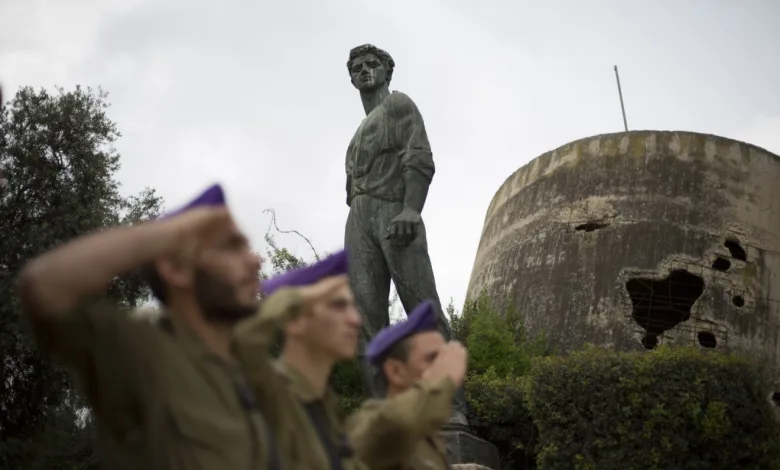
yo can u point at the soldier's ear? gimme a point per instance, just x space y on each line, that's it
395 372
296 326
173 272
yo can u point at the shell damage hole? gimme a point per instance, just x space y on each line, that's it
590 226
649 342
736 250
738 301
776 398
660 305
721 264
706 339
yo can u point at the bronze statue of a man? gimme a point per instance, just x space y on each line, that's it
389 168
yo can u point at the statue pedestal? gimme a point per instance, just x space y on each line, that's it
464 448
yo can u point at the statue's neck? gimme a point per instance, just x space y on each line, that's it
372 99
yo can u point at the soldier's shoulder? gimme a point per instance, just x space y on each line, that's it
278 367
371 404
367 410
147 313
364 413
283 371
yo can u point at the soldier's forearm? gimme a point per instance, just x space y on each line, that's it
438 395
402 420
416 189
252 340
56 282
274 312
253 337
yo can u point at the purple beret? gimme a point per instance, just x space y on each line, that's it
212 196
333 265
423 318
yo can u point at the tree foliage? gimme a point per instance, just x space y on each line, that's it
58 165
495 339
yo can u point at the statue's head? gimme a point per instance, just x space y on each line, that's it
370 67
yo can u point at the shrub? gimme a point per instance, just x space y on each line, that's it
666 409
500 353
347 382
498 414
495 339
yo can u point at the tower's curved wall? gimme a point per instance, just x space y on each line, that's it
635 239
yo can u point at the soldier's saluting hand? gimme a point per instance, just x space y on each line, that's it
451 362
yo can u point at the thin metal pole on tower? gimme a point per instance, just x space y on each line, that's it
620 93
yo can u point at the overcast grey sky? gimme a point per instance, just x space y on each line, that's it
256 95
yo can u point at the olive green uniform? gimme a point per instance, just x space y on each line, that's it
162 397
402 432
309 428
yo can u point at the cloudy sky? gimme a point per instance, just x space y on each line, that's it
255 94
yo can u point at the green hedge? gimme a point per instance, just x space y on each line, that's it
671 408
498 414
666 409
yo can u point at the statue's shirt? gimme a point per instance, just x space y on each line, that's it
391 140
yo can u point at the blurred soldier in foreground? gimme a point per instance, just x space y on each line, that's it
170 396
314 309
422 373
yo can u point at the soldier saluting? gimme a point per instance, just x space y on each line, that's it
170 396
421 372
314 310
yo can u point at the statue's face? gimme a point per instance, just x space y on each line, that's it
368 73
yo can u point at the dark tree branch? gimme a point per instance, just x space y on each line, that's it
273 224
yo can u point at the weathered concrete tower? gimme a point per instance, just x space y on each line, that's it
635 239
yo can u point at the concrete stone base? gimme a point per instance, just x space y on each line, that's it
468 452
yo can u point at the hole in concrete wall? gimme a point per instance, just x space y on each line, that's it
738 300
737 252
649 342
721 264
590 226
776 398
660 305
707 339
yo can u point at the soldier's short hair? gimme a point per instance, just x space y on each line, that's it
155 282
366 49
399 351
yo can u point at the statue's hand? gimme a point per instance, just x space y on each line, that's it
403 228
